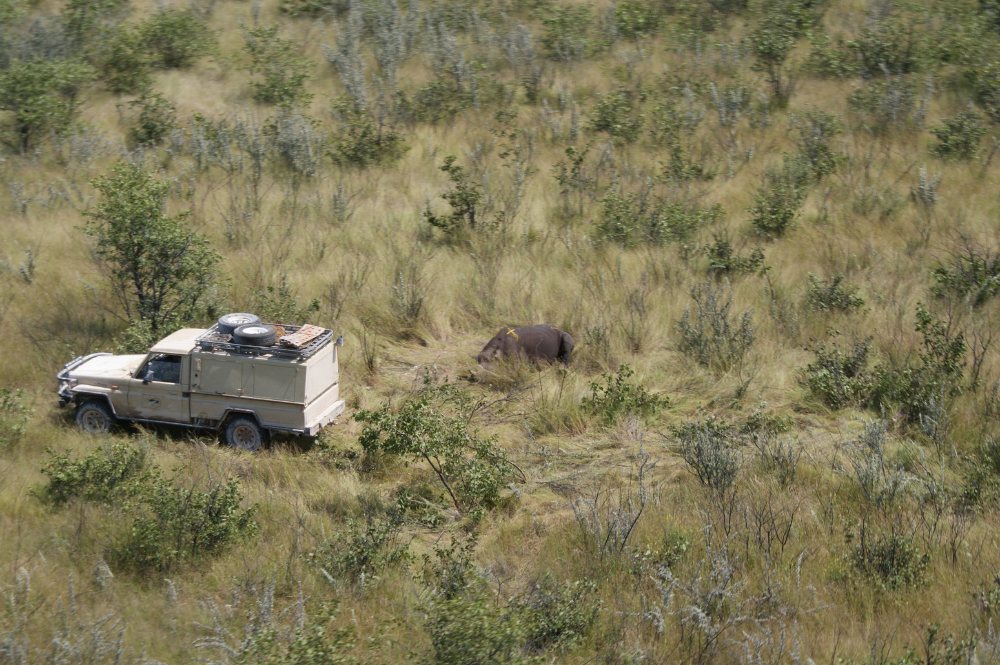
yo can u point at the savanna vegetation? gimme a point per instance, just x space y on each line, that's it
770 225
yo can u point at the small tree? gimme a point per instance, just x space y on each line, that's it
41 96
158 268
283 70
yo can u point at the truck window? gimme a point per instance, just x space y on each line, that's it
164 368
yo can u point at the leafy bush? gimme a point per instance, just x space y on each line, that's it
958 136
831 294
619 397
828 61
888 104
174 38
637 17
985 82
709 451
155 121
615 114
915 389
816 130
171 524
105 475
168 523
568 33
887 45
779 199
14 416
367 547
633 218
472 470
723 258
40 97
465 199
125 66
890 560
708 335
282 70
972 272
441 99
772 43
841 378
363 140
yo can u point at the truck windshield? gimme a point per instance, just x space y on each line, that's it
164 368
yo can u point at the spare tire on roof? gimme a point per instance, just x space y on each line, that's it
230 322
256 334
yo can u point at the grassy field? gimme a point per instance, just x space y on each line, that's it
781 216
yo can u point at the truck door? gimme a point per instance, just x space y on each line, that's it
156 391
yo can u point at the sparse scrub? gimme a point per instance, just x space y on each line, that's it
616 115
708 332
14 416
724 259
971 272
841 377
779 199
889 104
569 33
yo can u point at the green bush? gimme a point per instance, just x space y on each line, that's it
174 38
916 389
363 140
772 43
441 99
724 259
281 69
816 130
155 121
615 114
889 103
958 136
40 97
108 474
779 199
831 294
708 334
618 397
888 45
830 61
637 17
367 547
971 272
568 33
841 377
634 218
985 81
125 66
474 471
171 524
708 449
889 560
14 416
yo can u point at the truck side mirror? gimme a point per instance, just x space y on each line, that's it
149 376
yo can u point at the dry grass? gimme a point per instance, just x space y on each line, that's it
551 270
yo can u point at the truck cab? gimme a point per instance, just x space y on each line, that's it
202 379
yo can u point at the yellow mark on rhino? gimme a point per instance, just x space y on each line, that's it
511 332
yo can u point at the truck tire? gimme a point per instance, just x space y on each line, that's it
244 433
256 334
230 322
95 417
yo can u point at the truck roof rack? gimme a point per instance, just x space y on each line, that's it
213 340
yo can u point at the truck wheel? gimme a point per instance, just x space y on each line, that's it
256 334
230 322
94 417
244 433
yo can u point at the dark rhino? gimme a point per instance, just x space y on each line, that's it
542 342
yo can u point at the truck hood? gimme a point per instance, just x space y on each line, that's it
106 367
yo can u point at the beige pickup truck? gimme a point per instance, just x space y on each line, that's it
243 387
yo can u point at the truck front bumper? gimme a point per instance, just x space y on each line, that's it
325 418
